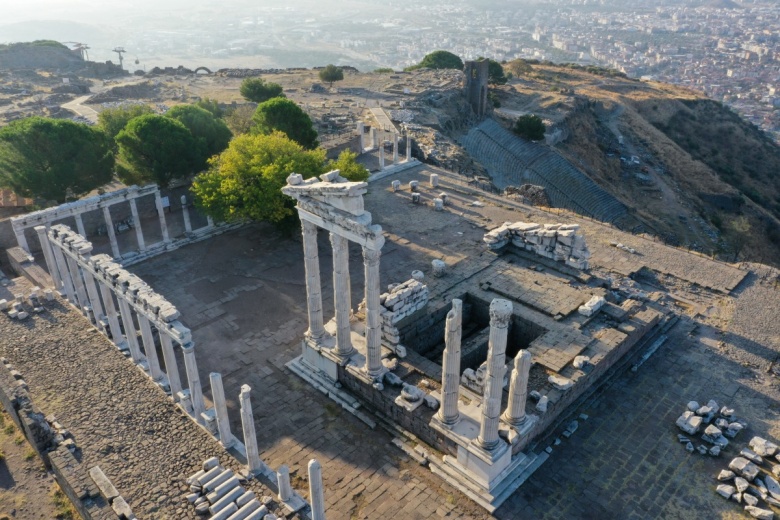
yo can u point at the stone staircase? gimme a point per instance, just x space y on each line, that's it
512 161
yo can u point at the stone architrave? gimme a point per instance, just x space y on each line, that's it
283 481
161 213
448 413
48 255
149 348
255 465
193 378
67 279
341 296
500 314
171 366
374 366
518 390
313 285
111 314
185 212
316 492
220 407
111 233
139 232
130 331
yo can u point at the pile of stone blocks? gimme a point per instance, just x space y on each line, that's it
217 491
559 242
749 483
400 301
717 424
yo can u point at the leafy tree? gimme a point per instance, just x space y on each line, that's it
286 116
518 67
212 134
348 166
157 149
738 232
239 119
245 181
330 74
439 60
530 127
257 90
212 105
113 120
496 74
53 158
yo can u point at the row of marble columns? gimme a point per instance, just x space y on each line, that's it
377 139
89 284
500 317
342 296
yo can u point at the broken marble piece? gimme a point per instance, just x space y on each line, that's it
439 268
431 402
725 490
693 406
690 447
762 447
750 499
689 422
725 475
733 429
392 379
741 484
581 361
541 406
727 412
776 470
722 424
560 382
703 449
743 467
751 456
715 451
682 438
760 514
772 486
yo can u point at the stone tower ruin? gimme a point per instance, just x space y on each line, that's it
477 86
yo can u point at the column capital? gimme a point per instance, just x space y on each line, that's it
309 229
500 313
338 242
371 256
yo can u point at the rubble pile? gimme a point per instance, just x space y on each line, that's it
559 242
529 194
401 300
718 423
217 491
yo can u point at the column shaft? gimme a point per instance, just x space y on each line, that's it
500 314
130 332
408 148
196 392
220 407
48 255
161 214
341 296
149 347
395 148
518 389
67 279
373 324
316 493
110 308
283 481
185 211
21 239
448 413
250 437
209 222
111 233
94 295
78 282
313 285
139 232
171 366
381 154
80 225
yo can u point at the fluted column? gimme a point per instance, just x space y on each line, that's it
110 308
316 493
51 263
220 407
161 214
341 296
149 347
171 366
139 232
311 260
500 314
93 294
185 211
373 323
111 233
448 413
130 331
518 390
193 378
250 437
67 278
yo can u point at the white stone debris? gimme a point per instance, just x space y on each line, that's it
750 499
762 447
592 306
743 467
693 406
751 455
581 361
439 268
741 484
689 422
725 490
560 382
725 474
541 406
217 490
761 514
559 242
396 185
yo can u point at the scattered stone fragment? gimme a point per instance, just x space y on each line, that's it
761 514
733 429
725 475
689 447
703 411
581 361
560 382
703 449
693 406
541 406
776 471
689 422
772 486
741 484
727 412
762 446
761 487
712 405
715 451
751 456
725 490
682 438
750 499
737 497
743 467
722 424
535 395
712 431
772 501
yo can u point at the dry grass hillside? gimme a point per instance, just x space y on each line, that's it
692 170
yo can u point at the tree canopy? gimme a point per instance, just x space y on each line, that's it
348 166
53 158
331 73
212 105
439 60
113 120
530 127
518 67
286 116
239 119
211 133
155 148
257 90
496 74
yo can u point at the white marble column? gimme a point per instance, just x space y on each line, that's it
67 281
408 148
48 255
373 321
139 232
254 463
209 222
395 148
381 154
220 407
311 260
185 211
130 332
111 233
161 214
518 390
372 133
171 366
316 493
448 413
78 283
93 294
500 314
80 225
361 126
283 481
149 348
341 296
193 378
21 239
110 308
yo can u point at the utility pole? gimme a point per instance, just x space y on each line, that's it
119 51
